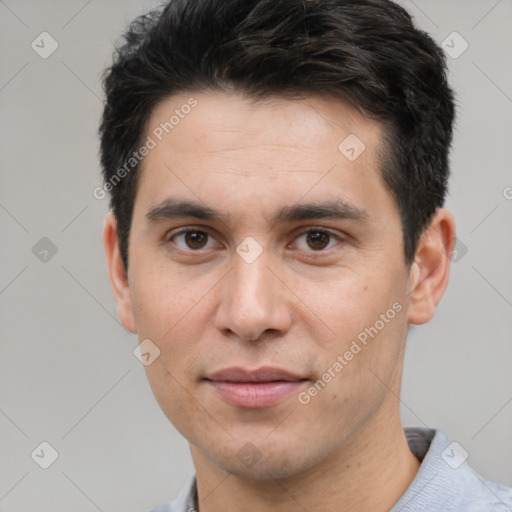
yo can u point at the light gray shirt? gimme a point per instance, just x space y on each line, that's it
444 483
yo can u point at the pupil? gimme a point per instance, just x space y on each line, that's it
318 240
195 239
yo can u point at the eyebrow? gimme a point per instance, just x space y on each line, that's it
337 209
171 209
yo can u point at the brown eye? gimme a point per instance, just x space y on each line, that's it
196 239
318 240
191 239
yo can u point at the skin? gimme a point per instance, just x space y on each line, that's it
296 307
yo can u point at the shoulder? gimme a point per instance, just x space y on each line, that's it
485 495
446 482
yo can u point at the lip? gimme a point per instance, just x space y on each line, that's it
263 374
253 389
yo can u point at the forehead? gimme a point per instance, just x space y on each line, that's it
229 149
227 122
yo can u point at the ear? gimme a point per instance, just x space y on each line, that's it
430 270
117 273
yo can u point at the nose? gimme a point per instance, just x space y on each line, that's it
253 301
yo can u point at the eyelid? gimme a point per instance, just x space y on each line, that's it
179 231
322 229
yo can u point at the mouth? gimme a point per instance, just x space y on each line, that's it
253 389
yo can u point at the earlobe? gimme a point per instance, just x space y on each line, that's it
117 273
430 270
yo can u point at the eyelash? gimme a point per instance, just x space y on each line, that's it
184 231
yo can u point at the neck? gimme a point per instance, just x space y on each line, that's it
370 473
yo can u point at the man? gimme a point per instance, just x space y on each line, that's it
277 173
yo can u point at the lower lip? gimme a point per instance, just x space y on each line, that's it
255 395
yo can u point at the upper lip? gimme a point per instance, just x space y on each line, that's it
264 374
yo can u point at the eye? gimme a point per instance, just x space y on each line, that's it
316 240
192 239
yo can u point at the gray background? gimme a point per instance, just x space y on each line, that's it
68 375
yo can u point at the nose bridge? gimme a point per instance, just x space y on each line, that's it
252 284
252 300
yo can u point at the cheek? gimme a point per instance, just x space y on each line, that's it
342 304
162 298
361 319
176 398
357 367
168 311
171 313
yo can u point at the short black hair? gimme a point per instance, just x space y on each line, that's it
365 51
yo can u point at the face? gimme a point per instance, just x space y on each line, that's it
259 242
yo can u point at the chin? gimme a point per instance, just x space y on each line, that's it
262 470
265 463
